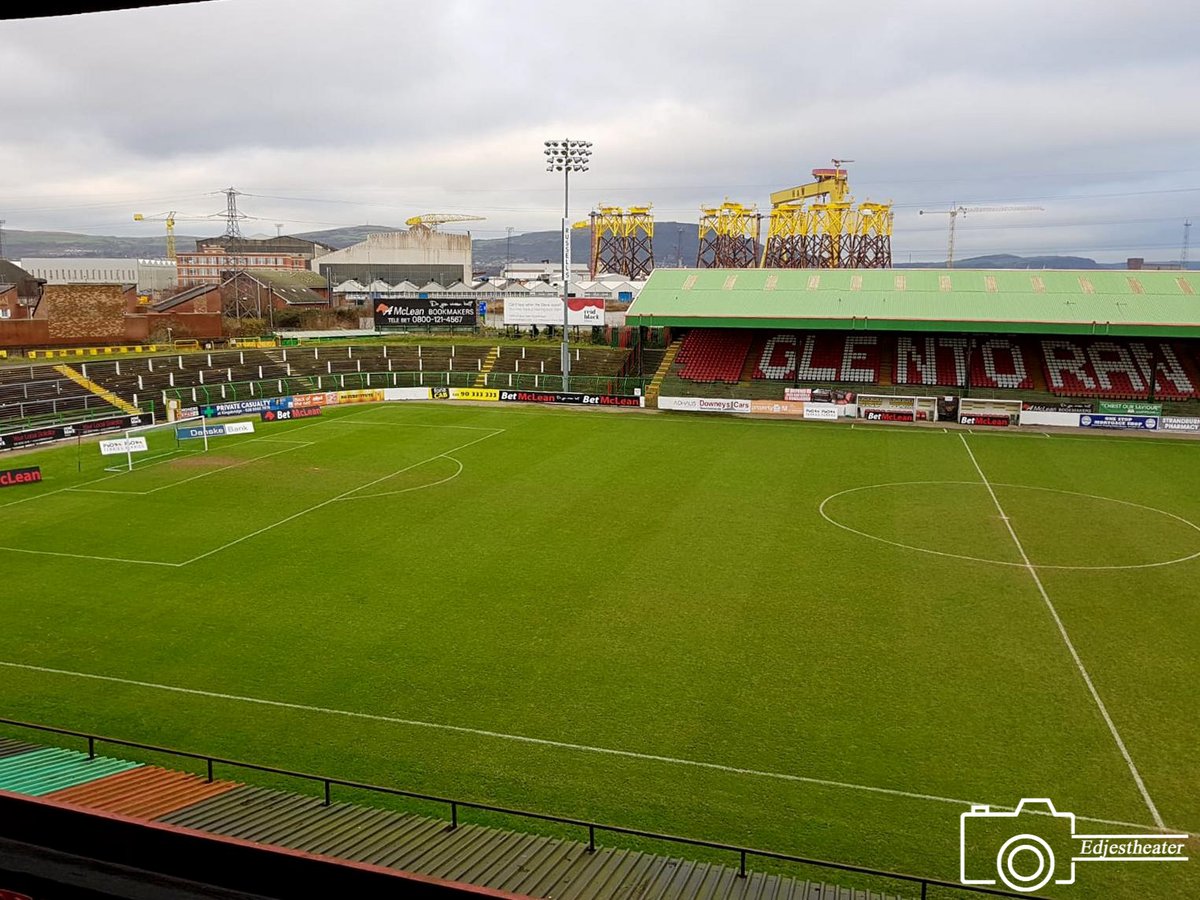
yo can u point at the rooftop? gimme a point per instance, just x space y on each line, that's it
1123 302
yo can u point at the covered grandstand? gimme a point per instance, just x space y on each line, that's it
1016 334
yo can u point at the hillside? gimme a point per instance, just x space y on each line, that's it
675 243
490 254
20 244
339 238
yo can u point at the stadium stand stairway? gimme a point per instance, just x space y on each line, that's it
34 394
664 367
516 862
103 393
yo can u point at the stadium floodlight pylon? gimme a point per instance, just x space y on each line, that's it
162 440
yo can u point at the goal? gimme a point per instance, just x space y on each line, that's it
146 444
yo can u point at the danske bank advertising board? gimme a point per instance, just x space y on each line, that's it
424 311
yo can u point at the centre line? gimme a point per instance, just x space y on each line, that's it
1087 679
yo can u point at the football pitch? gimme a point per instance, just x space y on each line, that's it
816 639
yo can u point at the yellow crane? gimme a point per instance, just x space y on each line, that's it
830 232
433 220
833 182
169 218
955 211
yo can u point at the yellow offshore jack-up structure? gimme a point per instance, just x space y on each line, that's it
829 233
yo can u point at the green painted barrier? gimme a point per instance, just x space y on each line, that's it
43 772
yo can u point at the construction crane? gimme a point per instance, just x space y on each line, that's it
956 211
169 218
829 233
431 221
832 182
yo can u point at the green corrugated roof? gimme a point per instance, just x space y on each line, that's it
1116 302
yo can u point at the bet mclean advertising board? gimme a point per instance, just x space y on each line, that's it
425 311
582 399
548 311
13 477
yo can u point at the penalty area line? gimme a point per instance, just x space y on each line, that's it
120 559
341 496
540 742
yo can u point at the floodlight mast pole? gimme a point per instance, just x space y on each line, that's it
566 275
567 156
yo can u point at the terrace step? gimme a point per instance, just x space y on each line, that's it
660 373
496 858
104 394
489 363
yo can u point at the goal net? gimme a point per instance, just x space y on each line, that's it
146 444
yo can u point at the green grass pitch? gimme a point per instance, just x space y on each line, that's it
808 638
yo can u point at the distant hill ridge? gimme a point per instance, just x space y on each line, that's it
675 243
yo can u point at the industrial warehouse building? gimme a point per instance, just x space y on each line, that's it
417 256
148 274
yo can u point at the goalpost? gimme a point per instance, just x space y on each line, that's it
152 442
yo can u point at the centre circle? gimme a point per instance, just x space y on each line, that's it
1095 533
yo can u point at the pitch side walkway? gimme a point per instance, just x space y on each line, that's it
489 857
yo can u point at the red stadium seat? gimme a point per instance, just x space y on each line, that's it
710 355
1117 370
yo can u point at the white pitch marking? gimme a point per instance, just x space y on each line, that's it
891 429
296 445
542 742
419 487
341 496
1087 679
999 562
143 468
140 562
82 488
343 421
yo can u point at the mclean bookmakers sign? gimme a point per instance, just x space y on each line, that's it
425 312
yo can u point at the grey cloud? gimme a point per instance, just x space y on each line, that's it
401 107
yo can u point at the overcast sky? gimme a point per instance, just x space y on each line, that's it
360 111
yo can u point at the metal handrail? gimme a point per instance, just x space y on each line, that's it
592 827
